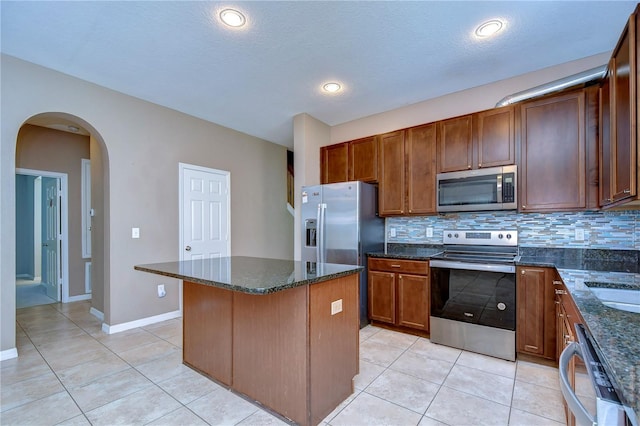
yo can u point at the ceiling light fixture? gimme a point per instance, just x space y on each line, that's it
331 87
73 129
232 18
489 28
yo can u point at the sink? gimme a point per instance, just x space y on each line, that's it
618 298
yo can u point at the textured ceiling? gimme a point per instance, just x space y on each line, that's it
386 54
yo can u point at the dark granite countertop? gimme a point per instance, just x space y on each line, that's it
408 251
250 274
616 332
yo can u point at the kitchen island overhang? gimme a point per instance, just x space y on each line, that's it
282 333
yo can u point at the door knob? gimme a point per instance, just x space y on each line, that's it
45 245
188 248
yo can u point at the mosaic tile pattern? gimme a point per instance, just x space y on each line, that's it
618 230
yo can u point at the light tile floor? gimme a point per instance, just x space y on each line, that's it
70 373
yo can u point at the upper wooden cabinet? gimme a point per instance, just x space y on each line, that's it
495 137
455 144
334 163
553 154
618 122
420 144
353 160
407 171
391 195
484 139
363 159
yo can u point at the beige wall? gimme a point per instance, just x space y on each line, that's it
309 134
144 144
460 103
99 167
51 150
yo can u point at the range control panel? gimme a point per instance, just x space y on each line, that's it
507 237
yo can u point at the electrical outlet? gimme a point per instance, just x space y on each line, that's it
336 307
429 232
392 232
161 291
579 234
135 232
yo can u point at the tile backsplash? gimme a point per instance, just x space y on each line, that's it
617 230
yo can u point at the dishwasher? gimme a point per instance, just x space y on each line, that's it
608 409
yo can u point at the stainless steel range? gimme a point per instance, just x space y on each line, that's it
473 292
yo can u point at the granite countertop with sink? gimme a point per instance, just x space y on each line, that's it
252 275
616 332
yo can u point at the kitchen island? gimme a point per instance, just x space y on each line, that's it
282 333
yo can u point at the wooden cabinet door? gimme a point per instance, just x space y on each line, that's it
363 160
391 196
536 319
623 120
413 301
455 144
605 142
495 137
421 169
552 164
382 296
334 161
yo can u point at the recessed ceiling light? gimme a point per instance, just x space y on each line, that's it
489 28
232 18
331 87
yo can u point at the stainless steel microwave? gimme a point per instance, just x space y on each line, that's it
492 188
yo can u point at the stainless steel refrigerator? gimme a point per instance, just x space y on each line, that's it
340 225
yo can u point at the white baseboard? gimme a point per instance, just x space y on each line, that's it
291 210
8 354
111 329
96 313
79 298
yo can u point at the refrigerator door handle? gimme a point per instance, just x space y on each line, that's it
320 233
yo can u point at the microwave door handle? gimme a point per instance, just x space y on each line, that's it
499 189
579 411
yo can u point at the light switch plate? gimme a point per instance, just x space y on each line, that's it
336 307
429 232
392 232
579 234
135 232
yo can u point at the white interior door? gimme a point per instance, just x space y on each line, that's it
51 238
205 204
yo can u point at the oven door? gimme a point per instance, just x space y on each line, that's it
476 293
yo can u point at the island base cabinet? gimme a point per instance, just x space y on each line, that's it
269 350
294 351
206 348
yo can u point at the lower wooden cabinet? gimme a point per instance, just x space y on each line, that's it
399 293
567 316
536 312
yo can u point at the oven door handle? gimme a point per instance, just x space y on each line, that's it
509 269
579 411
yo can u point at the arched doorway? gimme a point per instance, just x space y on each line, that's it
56 142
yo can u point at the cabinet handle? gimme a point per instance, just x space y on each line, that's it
626 191
395 266
560 291
556 282
522 272
524 207
468 166
479 164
